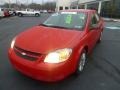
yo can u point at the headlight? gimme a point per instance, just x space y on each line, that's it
13 43
58 56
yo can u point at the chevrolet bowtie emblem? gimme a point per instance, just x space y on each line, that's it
23 53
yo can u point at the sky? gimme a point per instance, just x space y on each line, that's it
24 1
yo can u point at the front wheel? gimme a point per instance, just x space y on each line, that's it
82 62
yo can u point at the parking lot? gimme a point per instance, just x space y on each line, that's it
101 73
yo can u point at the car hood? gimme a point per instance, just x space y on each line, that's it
45 39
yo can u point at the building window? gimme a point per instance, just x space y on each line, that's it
66 8
111 9
82 6
79 7
74 7
61 8
93 6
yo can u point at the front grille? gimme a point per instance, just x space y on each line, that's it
28 52
32 56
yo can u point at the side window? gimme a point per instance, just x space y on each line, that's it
2 9
66 8
28 9
94 20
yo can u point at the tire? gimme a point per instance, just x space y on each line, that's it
20 14
81 63
14 14
100 38
37 14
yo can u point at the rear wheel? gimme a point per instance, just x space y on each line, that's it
14 14
82 62
20 14
37 14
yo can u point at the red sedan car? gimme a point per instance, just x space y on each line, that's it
58 47
6 13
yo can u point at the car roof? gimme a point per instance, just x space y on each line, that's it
79 10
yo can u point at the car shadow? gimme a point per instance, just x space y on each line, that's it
27 81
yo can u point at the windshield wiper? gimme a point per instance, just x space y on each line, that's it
44 25
60 27
55 26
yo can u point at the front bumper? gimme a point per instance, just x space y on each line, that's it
40 70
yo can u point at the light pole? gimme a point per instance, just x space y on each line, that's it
57 7
27 2
9 4
99 7
42 4
77 4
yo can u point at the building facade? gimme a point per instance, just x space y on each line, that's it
63 4
106 8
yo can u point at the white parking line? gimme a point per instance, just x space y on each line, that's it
113 27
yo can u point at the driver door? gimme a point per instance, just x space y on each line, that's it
94 30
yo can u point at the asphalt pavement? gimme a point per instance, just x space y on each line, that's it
102 71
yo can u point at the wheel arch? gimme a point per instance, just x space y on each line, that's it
80 51
36 13
19 12
86 48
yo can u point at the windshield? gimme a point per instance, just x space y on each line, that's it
67 20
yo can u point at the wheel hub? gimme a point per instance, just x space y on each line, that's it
82 62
